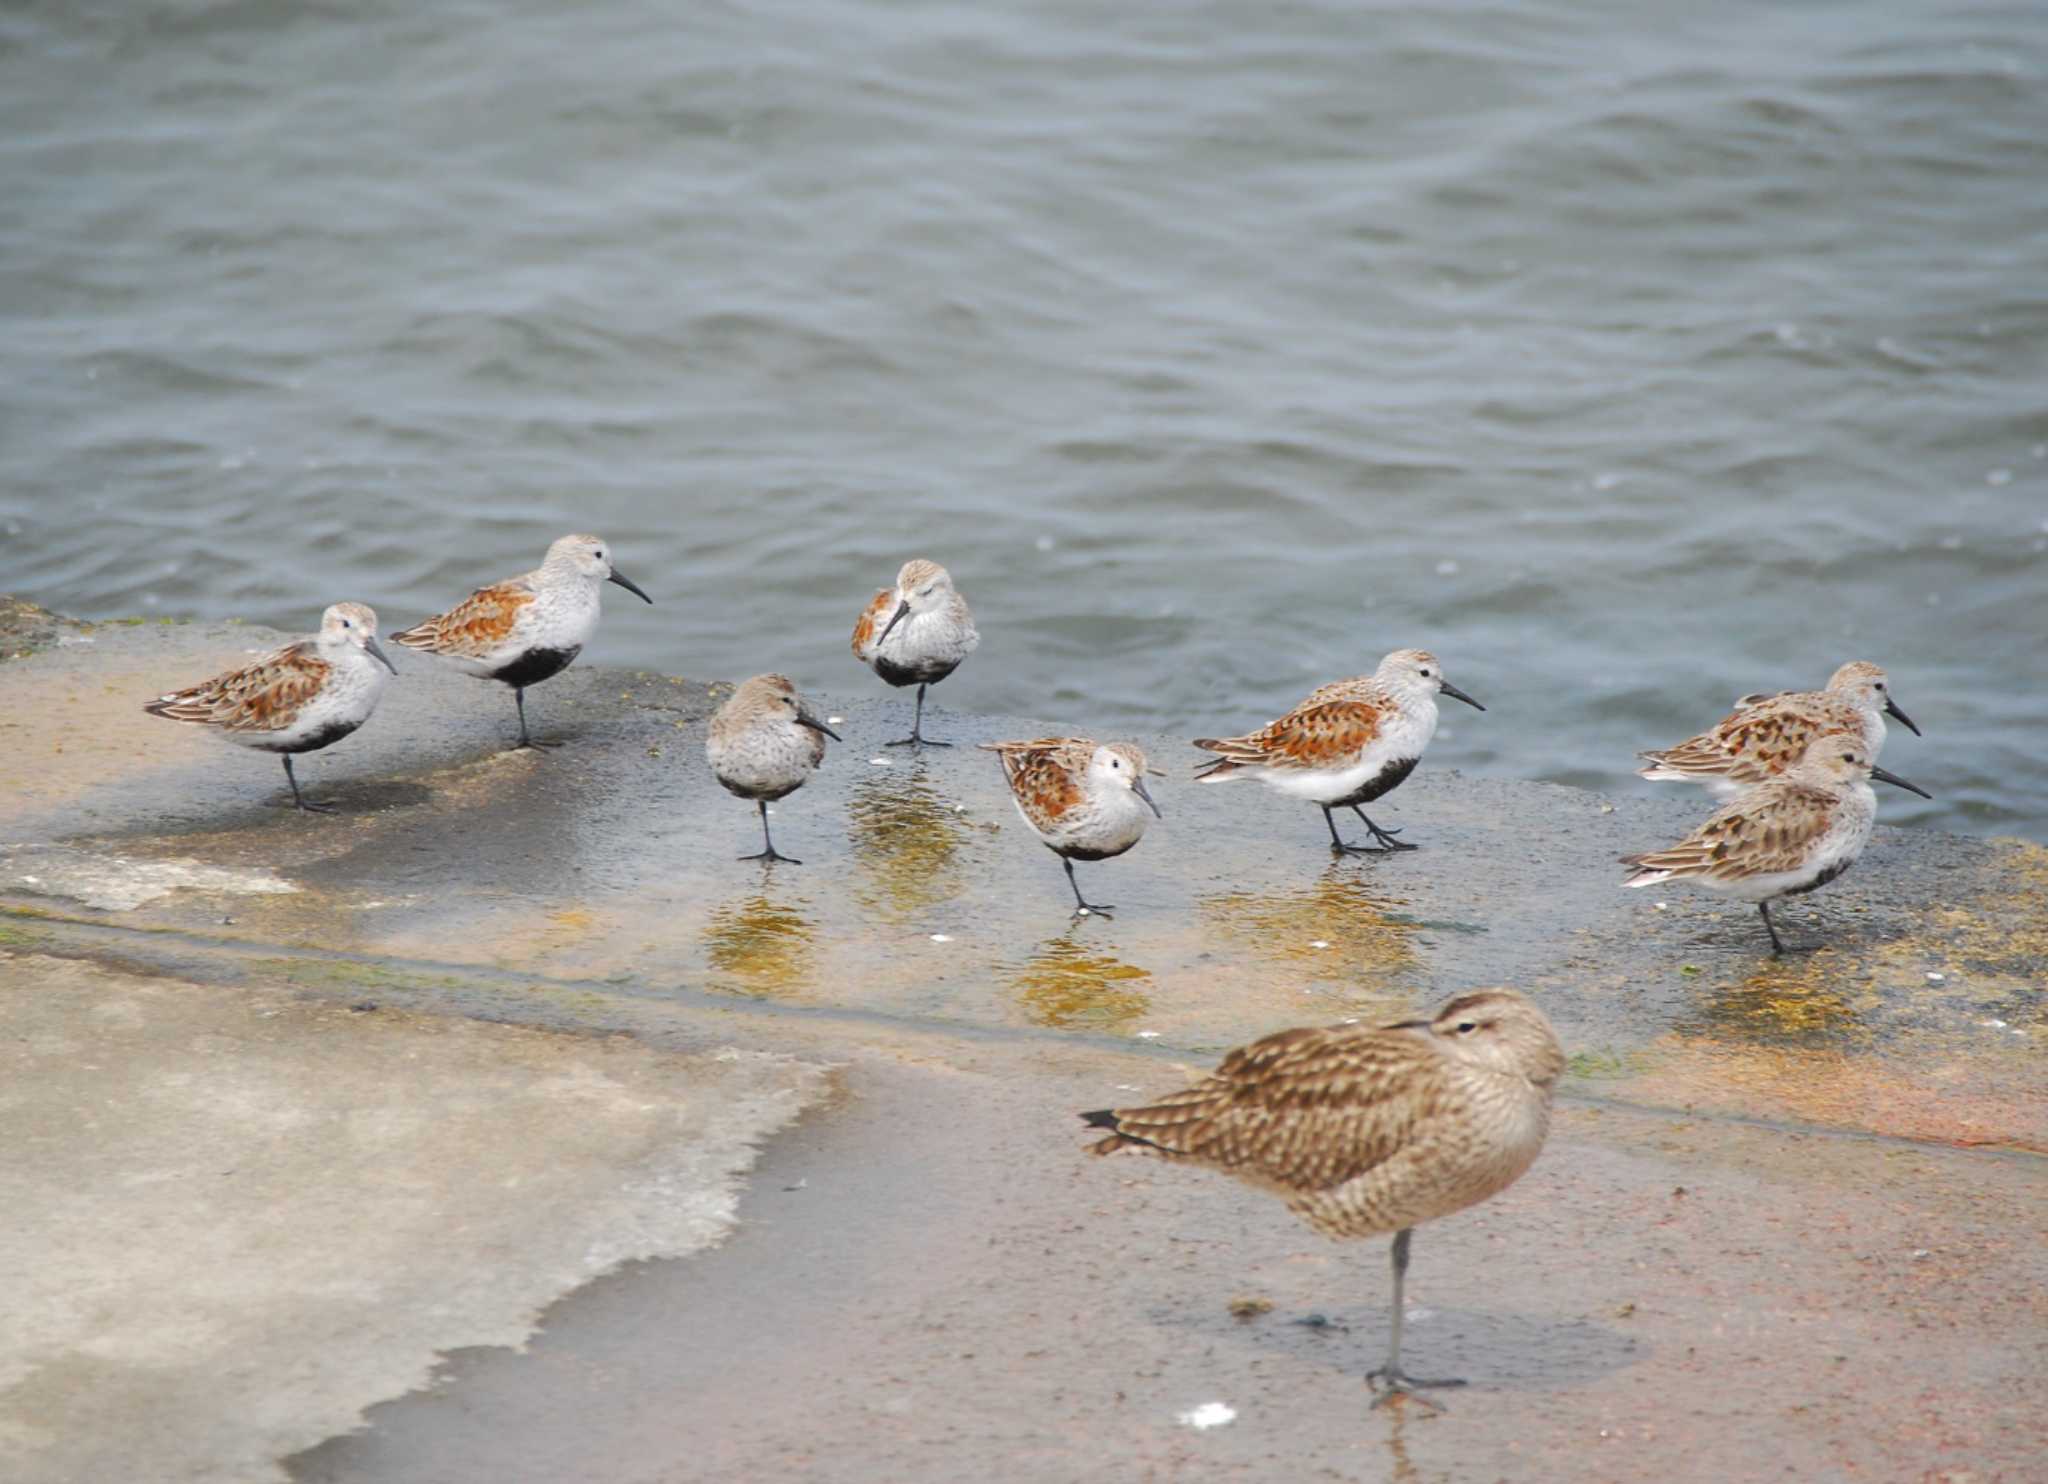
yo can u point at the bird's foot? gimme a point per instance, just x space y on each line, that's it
1781 949
1389 1382
308 806
1388 842
1345 847
533 744
1092 909
771 855
913 740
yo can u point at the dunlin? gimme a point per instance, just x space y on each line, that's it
1789 835
306 696
1350 742
763 743
1086 800
1767 733
916 633
525 629
1365 1130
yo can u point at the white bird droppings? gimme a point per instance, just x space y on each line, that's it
942 937
1207 1415
1319 943
1934 978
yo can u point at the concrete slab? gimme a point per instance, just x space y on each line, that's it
930 1279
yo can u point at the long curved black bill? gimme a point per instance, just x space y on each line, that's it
629 585
1891 709
817 726
894 619
1457 695
1138 788
1897 782
370 643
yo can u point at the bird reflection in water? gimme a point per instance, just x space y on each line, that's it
1066 985
1813 997
906 843
760 945
1334 927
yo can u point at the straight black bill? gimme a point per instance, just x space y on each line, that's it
1457 695
370 643
1138 788
1891 709
629 585
1897 782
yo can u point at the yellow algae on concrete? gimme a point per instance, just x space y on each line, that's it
1336 926
237 1218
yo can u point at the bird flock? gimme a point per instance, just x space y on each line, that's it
1361 1130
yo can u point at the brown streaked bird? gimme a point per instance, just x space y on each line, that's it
763 744
916 633
1086 800
528 628
1349 743
1766 734
1787 836
1365 1130
304 697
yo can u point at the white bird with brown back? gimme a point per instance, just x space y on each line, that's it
305 696
1349 743
763 744
528 628
1766 734
1790 835
916 633
1085 800
1364 1130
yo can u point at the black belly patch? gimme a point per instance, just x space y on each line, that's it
1384 781
1076 853
327 736
536 665
897 674
745 791
1821 880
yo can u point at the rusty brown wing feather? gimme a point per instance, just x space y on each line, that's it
1760 741
1305 1109
1045 775
263 697
1315 734
1769 830
873 618
476 626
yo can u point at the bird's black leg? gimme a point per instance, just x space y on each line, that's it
1397 1382
526 738
298 798
917 738
1385 837
1337 841
769 854
1081 906
1777 944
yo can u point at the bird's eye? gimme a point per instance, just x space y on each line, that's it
1466 1027
1848 757
1425 674
1880 685
346 624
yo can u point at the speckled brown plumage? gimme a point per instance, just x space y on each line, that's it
1366 1130
1766 734
263 697
1320 733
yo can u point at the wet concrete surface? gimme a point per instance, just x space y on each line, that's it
950 1284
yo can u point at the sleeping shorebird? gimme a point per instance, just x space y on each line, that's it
1767 733
1365 1130
526 628
1792 834
763 743
916 634
304 697
1350 742
1086 800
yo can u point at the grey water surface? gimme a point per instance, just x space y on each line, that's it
1630 356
